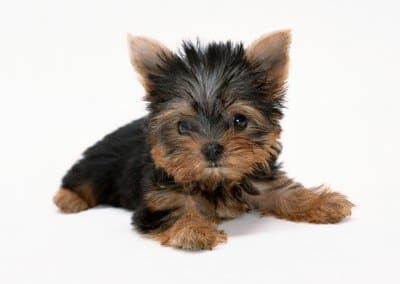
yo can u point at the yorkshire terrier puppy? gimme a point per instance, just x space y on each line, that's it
206 151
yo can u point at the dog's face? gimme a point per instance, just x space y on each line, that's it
214 110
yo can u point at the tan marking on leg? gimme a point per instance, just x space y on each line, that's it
283 197
69 202
191 232
85 191
318 205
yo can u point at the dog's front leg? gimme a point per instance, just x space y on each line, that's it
178 220
283 197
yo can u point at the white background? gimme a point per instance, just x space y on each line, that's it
65 81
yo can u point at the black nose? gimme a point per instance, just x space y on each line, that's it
212 151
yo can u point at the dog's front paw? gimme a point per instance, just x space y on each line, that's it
192 238
329 207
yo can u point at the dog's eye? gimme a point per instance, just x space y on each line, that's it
240 121
183 127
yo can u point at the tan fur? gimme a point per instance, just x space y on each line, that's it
69 202
164 199
243 157
74 201
280 182
192 232
144 54
86 192
314 206
248 111
173 114
272 50
287 199
230 208
186 167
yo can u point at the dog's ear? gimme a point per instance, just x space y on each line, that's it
271 52
146 57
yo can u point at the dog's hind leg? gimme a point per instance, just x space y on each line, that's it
80 187
75 199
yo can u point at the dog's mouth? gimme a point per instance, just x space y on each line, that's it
219 172
213 165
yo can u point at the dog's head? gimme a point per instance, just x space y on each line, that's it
214 109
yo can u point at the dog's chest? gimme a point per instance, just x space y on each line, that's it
223 202
230 207
225 211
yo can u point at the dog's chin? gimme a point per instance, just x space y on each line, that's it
219 173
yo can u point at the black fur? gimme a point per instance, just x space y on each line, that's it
116 166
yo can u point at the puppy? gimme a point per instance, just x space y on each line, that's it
206 151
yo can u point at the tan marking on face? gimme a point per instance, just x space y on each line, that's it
243 156
241 107
172 114
187 163
186 166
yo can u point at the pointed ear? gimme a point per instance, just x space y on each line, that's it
146 56
271 51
